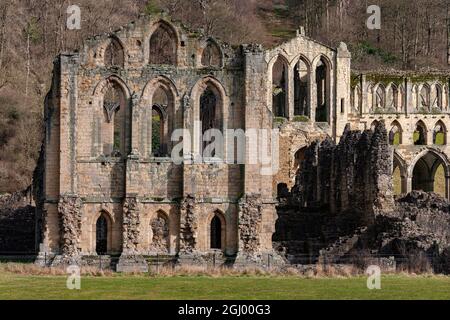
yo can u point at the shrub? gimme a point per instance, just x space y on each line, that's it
301 119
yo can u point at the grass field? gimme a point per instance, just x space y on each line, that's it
14 286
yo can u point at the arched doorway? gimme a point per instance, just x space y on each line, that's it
429 174
101 235
217 232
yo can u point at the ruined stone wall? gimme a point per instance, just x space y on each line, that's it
352 175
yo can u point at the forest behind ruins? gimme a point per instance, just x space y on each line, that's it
413 36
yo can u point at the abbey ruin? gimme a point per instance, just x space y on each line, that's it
107 185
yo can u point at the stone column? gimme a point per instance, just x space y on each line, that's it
312 95
131 260
404 184
134 139
70 215
409 185
290 93
447 186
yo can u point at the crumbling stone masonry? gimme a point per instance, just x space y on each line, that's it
359 220
355 174
250 218
69 208
188 225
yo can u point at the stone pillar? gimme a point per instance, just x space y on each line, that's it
447 186
407 99
290 93
69 64
409 185
188 225
342 83
312 95
131 260
70 216
135 116
404 184
364 88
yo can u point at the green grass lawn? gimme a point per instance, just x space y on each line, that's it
14 286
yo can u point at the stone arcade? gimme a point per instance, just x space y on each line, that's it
109 187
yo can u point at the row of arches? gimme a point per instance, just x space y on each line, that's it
392 98
420 134
163 47
303 89
158 114
160 233
428 172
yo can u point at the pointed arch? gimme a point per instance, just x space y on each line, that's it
160 233
217 231
279 85
114 53
112 109
102 232
392 97
420 133
438 96
380 97
395 134
322 69
163 44
399 174
302 85
356 99
374 125
424 97
423 171
158 117
440 133
210 101
212 55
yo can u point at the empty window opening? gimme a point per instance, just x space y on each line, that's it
439 134
163 47
420 135
210 115
216 233
101 235
114 55
211 56
114 121
322 84
301 89
279 86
